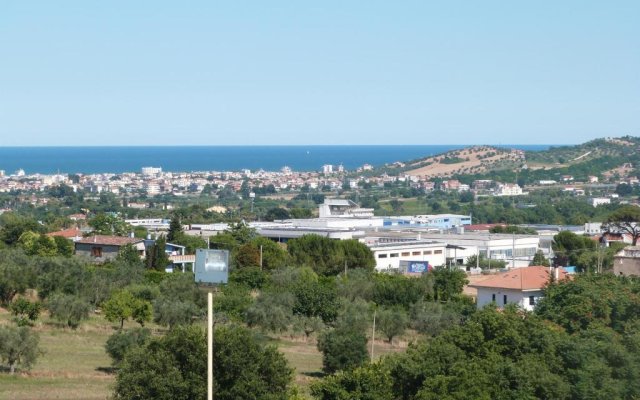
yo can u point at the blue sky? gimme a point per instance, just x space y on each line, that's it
323 72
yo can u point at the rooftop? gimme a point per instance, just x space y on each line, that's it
527 278
67 233
110 240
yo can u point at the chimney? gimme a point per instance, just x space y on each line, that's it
557 274
94 238
132 235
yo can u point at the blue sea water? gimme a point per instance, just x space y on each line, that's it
87 160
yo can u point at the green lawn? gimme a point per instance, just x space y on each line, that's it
73 365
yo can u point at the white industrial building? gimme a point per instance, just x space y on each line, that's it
390 255
343 208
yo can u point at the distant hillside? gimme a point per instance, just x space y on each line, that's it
615 158
598 148
470 160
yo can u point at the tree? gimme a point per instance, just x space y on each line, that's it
485 263
175 229
141 311
307 325
13 226
18 347
431 318
539 259
318 252
123 305
369 382
124 341
157 257
246 255
276 213
68 309
17 273
316 299
342 349
25 311
392 322
172 313
448 283
233 302
357 255
250 277
272 312
625 220
391 290
172 367
118 307
355 315
37 244
129 255
357 284
273 254
107 224
64 246
568 247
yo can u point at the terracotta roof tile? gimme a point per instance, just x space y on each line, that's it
527 278
110 240
67 233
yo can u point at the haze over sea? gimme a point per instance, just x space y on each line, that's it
116 159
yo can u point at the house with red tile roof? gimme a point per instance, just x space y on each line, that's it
101 248
520 286
74 234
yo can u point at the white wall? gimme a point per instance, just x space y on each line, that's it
435 255
520 298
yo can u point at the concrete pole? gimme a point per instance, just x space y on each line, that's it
513 251
210 346
373 333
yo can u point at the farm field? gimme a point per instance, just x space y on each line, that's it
75 365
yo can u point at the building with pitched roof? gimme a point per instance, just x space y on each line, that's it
520 286
101 248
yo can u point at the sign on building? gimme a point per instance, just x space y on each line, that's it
418 267
212 266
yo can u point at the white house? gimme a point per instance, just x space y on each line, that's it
520 286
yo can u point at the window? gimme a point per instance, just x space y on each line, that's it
393 255
504 299
405 254
493 297
427 252
415 253
382 256
532 300
437 252
96 251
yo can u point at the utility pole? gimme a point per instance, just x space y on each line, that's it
345 268
260 257
373 333
513 251
210 345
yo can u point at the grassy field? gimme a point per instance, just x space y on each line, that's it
74 364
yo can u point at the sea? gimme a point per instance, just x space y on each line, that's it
116 159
